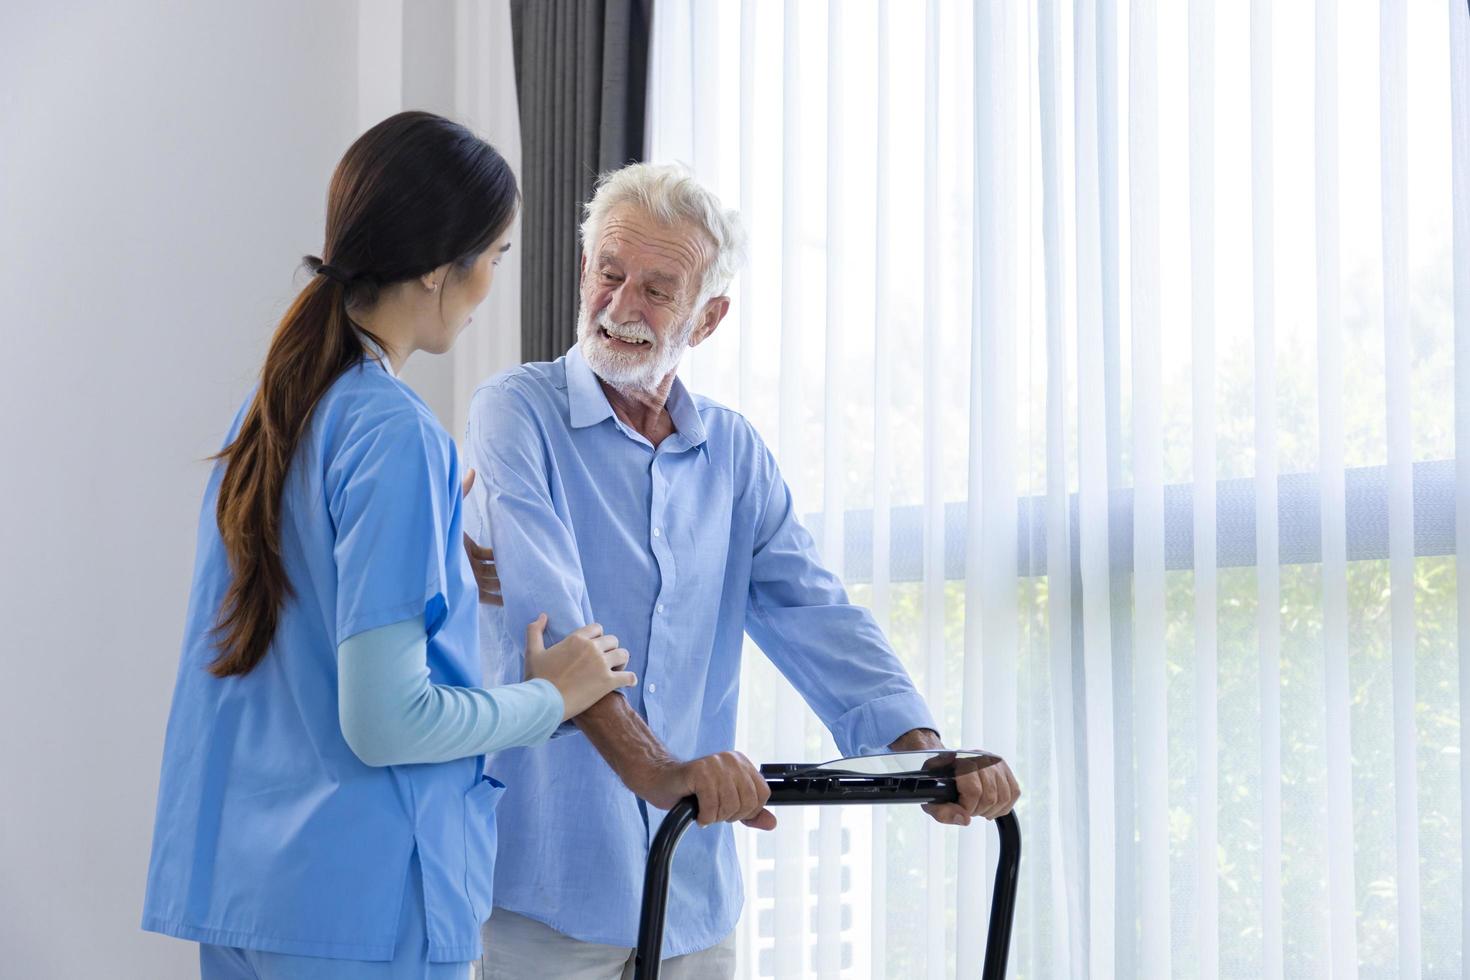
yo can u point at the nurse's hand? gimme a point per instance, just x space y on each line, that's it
583 667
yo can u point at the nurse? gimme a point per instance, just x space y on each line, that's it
322 810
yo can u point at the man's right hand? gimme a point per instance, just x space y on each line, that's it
727 785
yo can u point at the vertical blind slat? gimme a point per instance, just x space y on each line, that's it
747 193
1042 940
829 819
991 647
1268 568
1202 316
971 900
882 450
703 155
1393 110
1092 481
791 850
1459 36
744 394
1342 931
834 392
790 368
1058 530
933 494
1000 419
1119 584
704 67
1148 502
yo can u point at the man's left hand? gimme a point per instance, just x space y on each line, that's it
991 792
487 576
482 560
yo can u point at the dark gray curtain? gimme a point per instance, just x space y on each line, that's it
582 74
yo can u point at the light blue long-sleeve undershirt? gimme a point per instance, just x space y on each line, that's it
391 714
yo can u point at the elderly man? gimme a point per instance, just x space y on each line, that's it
613 494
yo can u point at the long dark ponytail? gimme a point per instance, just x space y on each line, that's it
413 193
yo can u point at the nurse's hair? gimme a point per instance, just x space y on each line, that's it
415 192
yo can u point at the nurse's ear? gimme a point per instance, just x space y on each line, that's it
434 279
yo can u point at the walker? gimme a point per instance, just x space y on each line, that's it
898 777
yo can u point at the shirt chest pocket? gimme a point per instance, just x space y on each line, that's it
700 541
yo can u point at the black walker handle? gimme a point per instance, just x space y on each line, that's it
831 790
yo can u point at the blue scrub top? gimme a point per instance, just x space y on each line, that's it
270 833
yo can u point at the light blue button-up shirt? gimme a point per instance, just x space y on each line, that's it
679 550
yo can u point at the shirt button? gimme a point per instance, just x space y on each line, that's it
660 607
656 532
653 689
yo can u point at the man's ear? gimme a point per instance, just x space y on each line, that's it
714 312
582 270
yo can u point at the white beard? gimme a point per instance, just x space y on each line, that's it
641 371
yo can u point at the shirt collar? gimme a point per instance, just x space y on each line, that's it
687 420
376 352
589 405
585 397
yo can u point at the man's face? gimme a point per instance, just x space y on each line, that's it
640 284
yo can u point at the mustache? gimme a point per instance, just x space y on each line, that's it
638 330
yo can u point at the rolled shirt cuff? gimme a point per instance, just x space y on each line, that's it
870 728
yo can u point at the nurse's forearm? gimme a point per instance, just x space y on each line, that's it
391 714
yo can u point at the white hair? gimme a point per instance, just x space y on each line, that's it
670 194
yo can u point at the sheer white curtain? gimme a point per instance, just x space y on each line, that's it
1111 348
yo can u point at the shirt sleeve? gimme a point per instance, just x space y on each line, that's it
392 715
392 493
516 500
831 650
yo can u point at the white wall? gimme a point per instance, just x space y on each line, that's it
427 43
163 166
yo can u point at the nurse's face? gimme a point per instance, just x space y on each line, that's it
461 290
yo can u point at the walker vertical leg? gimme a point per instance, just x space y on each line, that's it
646 962
1003 903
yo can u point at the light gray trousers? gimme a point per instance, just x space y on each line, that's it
517 947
